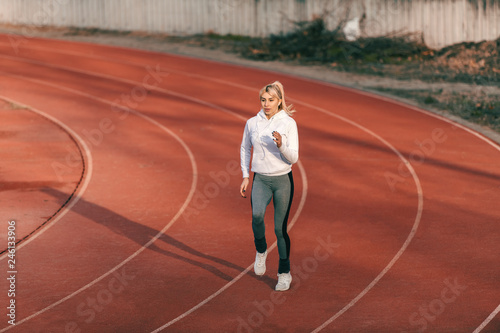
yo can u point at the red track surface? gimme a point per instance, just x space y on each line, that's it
394 225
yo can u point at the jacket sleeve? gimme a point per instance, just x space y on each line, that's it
245 152
290 148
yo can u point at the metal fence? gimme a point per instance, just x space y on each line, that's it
442 22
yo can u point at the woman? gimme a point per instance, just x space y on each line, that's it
273 135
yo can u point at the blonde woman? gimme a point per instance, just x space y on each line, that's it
273 135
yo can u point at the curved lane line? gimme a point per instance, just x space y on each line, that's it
449 121
388 266
337 86
302 203
420 204
233 281
487 320
84 184
420 194
295 217
329 84
408 239
119 79
160 233
408 106
393 260
393 101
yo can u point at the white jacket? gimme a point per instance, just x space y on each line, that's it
267 158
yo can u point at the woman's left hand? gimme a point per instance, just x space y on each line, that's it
277 138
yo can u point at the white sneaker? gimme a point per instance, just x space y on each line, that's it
284 281
260 263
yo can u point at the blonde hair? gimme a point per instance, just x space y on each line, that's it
276 90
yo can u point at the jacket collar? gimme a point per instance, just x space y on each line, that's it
279 115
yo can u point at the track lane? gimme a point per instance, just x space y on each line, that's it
88 255
395 133
35 145
69 91
30 70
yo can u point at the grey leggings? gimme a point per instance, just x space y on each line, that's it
280 189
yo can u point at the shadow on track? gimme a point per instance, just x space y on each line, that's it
142 234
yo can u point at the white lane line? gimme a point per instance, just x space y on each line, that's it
242 274
86 178
442 118
420 204
393 260
127 81
476 134
328 84
407 106
195 100
372 95
412 233
361 92
158 235
487 320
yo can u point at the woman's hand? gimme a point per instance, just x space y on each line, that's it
243 187
277 138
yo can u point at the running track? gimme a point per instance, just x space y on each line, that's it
120 168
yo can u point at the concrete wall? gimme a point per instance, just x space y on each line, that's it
442 22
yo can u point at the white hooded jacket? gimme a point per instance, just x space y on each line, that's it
267 158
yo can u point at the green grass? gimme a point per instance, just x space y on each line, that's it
405 54
229 37
74 31
311 42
